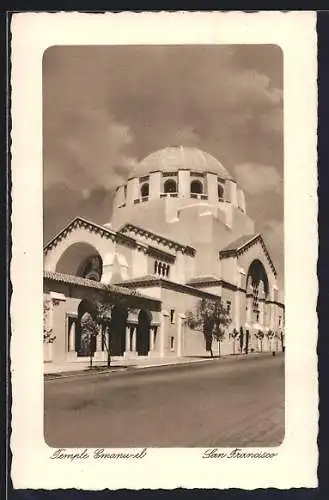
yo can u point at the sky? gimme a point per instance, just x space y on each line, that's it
107 107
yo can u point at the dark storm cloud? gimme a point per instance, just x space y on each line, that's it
105 108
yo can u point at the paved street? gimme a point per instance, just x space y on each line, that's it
227 402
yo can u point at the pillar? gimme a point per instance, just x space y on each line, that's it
155 185
162 332
132 191
231 193
180 334
151 338
72 337
237 309
212 189
120 196
184 180
133 338
241 200
128 346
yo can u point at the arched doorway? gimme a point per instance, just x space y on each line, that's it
143 332
83 346
118 330
257 293
257 276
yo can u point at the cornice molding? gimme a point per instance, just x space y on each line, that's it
158 238
76 281
245 247
170 285
217 282
104 232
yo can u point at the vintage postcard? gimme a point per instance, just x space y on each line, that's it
164 231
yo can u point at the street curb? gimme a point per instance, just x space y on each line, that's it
141 368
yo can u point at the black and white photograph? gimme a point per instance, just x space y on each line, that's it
164 250
163 258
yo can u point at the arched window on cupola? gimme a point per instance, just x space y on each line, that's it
170 186
196 187
145 190
220 191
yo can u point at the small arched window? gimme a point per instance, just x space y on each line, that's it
220 191
196 187
170 186
145 189
155 267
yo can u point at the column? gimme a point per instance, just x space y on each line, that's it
180 334
231 192
163 316
128 346
132 191
151 338
120 196
184 183
134 334
155 185
212 189
99 340
237 309
72 337
99 354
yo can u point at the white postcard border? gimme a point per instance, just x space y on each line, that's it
296 462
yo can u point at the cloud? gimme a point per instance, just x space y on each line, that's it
93 150
226 107
105 108
255 178
62 203
186 136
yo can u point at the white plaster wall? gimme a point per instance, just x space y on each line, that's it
139 263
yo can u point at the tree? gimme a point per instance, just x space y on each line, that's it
241 339
234 335
212 318
48 337
259 334
89 332
104 315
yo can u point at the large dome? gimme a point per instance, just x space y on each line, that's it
175 158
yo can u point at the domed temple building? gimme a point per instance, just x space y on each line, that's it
179 233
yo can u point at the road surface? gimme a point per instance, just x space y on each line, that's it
219 403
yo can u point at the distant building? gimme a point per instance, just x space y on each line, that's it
179 233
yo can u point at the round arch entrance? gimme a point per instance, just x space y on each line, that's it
143 332
257 274
84 347
118 330
81 259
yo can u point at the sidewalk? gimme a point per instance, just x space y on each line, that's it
118 365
